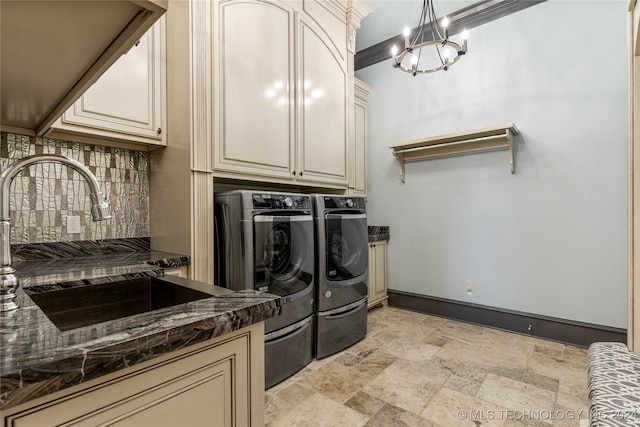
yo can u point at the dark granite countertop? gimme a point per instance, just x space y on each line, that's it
37 359
378 232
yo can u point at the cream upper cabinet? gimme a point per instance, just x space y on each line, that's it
254 117
358 175
128 102
53 51
322 80
282 76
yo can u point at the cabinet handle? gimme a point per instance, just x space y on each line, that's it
300 173
159 131
293 173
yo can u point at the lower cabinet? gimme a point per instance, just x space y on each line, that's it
216 383
377 273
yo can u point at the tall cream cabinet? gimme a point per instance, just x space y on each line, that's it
236 75
377 273
358 175
219 382
128 102
283 73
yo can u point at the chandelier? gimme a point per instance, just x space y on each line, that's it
432 37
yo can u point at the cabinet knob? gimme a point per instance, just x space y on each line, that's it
293 173
159 131
300 173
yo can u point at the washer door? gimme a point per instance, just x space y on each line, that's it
283 253
346 241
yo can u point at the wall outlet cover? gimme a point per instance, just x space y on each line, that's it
73 224
469 285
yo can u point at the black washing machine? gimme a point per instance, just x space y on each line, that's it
265 241
342 262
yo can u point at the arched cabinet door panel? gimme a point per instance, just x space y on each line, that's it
254 112
322 99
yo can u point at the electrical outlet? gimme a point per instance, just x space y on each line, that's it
73 224
469 286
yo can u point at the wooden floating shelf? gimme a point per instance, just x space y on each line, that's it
493 138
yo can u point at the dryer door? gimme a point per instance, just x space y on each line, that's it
346 241
283 253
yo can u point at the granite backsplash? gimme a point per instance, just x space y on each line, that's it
45 194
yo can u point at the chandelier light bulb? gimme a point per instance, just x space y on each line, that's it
406 33
414 59
445 55
445 26
394 50
465 37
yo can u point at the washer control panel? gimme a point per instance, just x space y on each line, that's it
281 201
344 202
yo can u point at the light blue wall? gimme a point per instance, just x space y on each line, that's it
549 240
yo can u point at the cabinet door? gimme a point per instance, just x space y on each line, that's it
360 150
128 102
377 273
372 274
254 95
322 99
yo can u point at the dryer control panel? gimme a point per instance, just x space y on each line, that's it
343 202
281 201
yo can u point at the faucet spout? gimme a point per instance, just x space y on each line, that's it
100 210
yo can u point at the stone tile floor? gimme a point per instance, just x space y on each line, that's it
414 369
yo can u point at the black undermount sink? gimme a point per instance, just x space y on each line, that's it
76 307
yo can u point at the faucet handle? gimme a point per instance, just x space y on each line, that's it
8 286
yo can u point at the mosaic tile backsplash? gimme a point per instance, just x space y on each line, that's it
45 194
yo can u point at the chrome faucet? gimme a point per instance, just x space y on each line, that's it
100 210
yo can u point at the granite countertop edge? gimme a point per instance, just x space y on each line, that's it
377 233
37 359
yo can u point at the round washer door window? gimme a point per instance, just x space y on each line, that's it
347 247
277 252
283 253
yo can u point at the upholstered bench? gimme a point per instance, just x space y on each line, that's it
614 385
